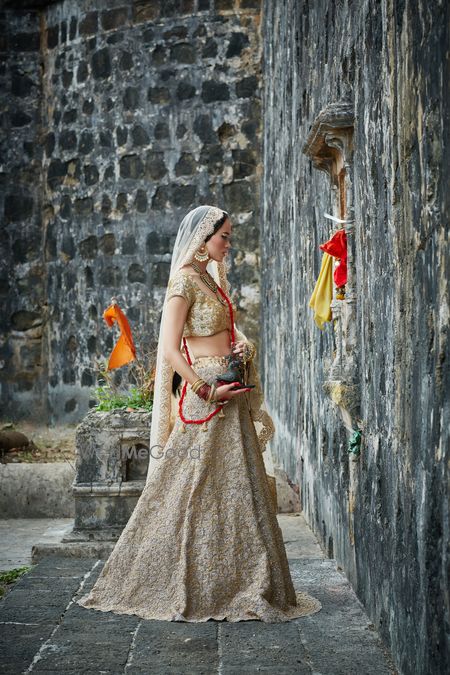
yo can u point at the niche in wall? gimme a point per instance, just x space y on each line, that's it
330 147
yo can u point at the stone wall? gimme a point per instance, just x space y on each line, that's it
148 109
23 368
385 516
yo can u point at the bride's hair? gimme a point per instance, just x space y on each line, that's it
176 380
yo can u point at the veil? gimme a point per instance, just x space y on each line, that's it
193 230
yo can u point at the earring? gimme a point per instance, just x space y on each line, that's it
201 254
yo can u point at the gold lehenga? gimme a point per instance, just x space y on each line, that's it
203 541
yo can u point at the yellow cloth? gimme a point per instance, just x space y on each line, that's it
322 295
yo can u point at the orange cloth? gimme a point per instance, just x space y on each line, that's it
124 351
322 295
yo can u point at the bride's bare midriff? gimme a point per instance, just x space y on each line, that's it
211 345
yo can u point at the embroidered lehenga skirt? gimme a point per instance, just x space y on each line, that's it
203 541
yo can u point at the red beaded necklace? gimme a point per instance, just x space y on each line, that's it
183 393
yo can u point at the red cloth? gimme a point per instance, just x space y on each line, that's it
337 247
124 351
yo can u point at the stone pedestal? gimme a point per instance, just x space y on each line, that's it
112 451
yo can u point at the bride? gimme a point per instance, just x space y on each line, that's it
203 541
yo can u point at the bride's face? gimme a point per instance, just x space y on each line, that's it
220 243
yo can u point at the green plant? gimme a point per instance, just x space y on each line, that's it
9 576
138 393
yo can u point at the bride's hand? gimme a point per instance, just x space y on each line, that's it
225 393
238 347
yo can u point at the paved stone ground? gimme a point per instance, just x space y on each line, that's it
43 630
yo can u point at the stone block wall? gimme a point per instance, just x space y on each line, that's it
385 517
147 109
23 312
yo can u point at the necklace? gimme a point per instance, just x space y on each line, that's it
209 281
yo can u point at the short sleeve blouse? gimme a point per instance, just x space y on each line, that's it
206 315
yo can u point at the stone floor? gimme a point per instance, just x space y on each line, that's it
44 630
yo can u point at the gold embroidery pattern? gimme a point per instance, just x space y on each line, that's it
203 541
206 315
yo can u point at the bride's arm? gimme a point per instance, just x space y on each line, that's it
175 318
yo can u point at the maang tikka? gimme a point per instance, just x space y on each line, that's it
201 254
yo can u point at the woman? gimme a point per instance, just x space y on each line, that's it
203 541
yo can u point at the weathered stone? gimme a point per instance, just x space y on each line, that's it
25 42
70 116
157 243
87 378
237 196
91 174
88 247
139 136
89 277
177 32
136 274
112 277
186 165
204 130
122 202
71 404
24 320
83 206
19 119
92 344
67 140
106 205
183 195
141 201
126 61
56 173
247 86
210 49
65 209
215 91
82 71
161 198
155 169
131 166
185 91
18 207
68 246
101 64
115 38
52 37
106 139
145 11
131 98
86 143
121 135
224 5
21 85
212 156
89 24
158 55
158 95
129 246
67 77
107 244
161 131
88 107
73 28
244 162
237 43
114 18
183 52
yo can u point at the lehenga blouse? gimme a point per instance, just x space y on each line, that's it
206 315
